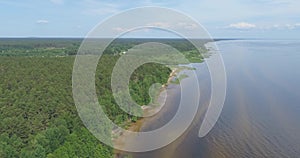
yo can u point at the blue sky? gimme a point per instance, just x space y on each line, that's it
278 19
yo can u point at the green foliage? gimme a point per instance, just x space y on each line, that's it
77 145
64 47
37 111
39 47
143 78
9 145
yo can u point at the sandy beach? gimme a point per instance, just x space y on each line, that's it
119 138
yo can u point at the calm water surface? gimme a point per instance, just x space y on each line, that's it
261 114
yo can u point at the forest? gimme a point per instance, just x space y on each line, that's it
37 111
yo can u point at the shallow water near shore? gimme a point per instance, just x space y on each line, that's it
261 113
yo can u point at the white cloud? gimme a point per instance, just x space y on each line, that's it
297 25
42 21
242 26
276 26
289 26
285 26
57 1
120 29
179 25
292 26
188 26
159 24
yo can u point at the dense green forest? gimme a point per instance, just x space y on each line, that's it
68 47
37 111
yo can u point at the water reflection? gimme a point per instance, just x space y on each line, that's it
261 112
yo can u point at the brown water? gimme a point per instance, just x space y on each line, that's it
261 114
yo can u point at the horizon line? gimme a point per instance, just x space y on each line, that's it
77 37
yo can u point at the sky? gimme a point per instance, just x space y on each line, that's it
271 19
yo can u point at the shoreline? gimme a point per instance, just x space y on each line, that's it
118 138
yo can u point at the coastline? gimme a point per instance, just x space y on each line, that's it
174 79
118 138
